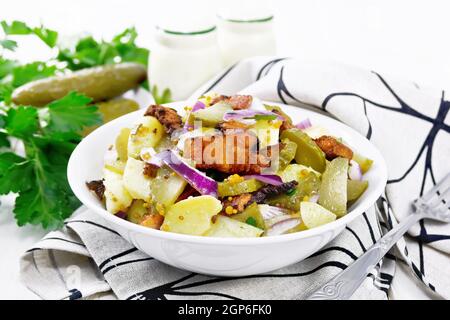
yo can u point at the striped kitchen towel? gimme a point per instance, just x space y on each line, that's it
406 122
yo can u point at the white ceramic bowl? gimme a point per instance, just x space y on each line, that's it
221 256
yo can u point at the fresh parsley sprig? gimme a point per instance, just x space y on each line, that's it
39 177
49 135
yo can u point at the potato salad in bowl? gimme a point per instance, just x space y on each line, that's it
230 166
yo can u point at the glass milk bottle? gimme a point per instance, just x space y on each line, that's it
242 35
184 58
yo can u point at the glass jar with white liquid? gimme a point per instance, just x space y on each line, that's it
183 59
243 35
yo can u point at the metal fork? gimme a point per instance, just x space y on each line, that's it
435 205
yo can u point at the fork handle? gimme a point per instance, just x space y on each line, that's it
343 285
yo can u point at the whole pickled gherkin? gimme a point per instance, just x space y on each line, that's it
226 188
113 109
308 152
99 83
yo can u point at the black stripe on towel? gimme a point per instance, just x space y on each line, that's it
124 263
91 223
124 253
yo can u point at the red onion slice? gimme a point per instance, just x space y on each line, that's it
197 179
269 178
282 227
304 124
249 114
197 106
314 198
354 171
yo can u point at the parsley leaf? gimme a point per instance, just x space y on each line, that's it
89 52
6 91
6 66
15 178
164 97
31 71
72 113
264 117
15 28
49 37
21 122
8 44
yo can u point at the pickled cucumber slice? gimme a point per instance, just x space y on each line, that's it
364 163
99 83
251 215
308 153
213 115
280 112
287 153
192 216
137 212
296 172
355 189
308 185
225 227
226 189
314 215
333 190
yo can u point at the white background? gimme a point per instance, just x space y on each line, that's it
408 39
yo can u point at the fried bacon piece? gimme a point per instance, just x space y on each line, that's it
269 191
286 123
237 102
333 148
219 98
168 117
239 202
97 187
235 152
231 125
153 221
150 170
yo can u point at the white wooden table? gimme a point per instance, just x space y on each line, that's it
404 38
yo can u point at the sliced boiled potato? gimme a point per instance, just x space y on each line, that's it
167 186
295 171
191 216
122 144
224 227
314 215
134 180
145 134
316 131
116 166
116 195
